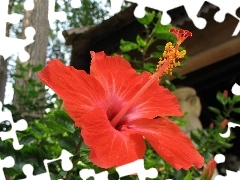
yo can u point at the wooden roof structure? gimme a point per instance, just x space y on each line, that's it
210 45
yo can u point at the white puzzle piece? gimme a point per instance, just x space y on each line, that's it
5 163
192 8
13 45
137 167
66 165
20 125
87 173
230 175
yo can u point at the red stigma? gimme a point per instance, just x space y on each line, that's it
180 34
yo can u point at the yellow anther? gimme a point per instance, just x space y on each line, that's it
181 54
171 52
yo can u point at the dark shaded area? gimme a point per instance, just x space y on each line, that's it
209 80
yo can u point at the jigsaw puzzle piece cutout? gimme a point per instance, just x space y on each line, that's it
237 29
66 165
28 5
229 176
238 12
137 167
87 173
20 125
223 13
61 15
5 17
228 132
162 6
6 49
220 158
236 89
115 6
225 8
76 3
52 15
7 162
192 9
28 171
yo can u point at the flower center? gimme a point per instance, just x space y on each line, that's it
165 65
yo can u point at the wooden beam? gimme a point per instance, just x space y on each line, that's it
210 56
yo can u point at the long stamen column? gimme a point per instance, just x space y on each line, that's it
166 65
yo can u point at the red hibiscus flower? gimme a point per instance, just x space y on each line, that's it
117 108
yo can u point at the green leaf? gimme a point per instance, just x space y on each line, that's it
37 68
159 28
168 84
215 110
141 42
67 143
236 99
195 137
160 48
147 19
18 89
220 98
33 155
156 55
17 75
127 57
60 121
180 122
236 110
127 46
165 36
188 176
26 139
151 67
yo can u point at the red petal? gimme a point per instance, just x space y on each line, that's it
122 83
156 101
118 78
99 162
168 141
79 91
110 147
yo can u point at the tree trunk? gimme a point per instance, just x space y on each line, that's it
38 19
3 78
4 63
